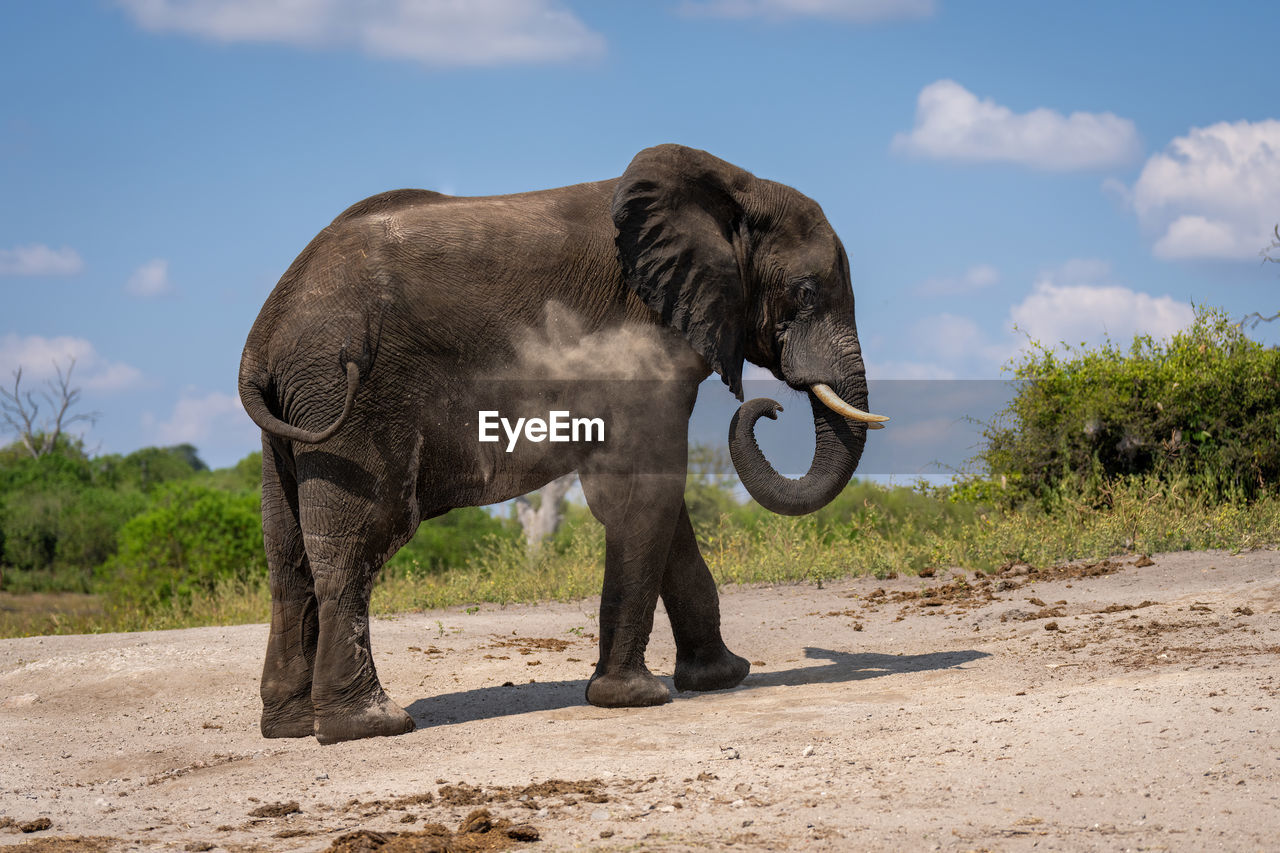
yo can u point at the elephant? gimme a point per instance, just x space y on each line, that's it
373 363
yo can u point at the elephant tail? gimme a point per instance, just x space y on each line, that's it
255 406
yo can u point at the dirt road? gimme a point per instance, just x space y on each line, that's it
1109 707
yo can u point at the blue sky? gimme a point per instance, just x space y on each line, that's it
1074 169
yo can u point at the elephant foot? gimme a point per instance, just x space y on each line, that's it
382 718
718 670
628 690
290 718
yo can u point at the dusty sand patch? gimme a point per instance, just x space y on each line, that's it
1109 708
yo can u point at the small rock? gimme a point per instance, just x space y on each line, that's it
606 833
40 824
738 803
729 753
1051 626
808 750
320 777
600 814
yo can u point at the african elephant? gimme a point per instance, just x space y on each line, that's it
412 313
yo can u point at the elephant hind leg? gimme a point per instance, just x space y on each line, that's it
703 662
291 647
347 540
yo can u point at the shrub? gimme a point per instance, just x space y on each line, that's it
193 538
149 467
451 540
1202 410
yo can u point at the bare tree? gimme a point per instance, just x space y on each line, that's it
21 411
544 520
1270 255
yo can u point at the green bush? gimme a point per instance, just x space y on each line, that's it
60 513
66 465
193 538
149 467
1202 410
450 541
54 537
709 487
245 475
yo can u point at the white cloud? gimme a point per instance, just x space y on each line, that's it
37 355
953 124
946 346
858 11
1214 193
1077 302
434 32
974 278
150 280
196 418
38 259
1062 307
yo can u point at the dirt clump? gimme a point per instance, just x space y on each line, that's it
276 809
1120 608
569 792
373 807
527 645
479 831
40 824
68 844
965 594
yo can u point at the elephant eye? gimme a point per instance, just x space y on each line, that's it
805 293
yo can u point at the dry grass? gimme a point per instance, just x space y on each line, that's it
1130 518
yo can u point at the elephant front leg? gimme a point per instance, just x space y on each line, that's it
637 538
703 662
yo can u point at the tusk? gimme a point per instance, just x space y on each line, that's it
835 404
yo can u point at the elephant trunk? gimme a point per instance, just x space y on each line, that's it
838 448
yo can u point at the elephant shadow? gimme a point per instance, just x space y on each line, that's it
486 703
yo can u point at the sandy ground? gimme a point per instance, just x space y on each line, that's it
1110 707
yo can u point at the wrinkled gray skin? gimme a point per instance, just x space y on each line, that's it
371 358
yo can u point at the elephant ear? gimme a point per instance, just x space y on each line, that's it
679 221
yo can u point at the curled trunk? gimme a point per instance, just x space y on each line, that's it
836 454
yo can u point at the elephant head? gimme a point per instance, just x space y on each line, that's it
750 269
